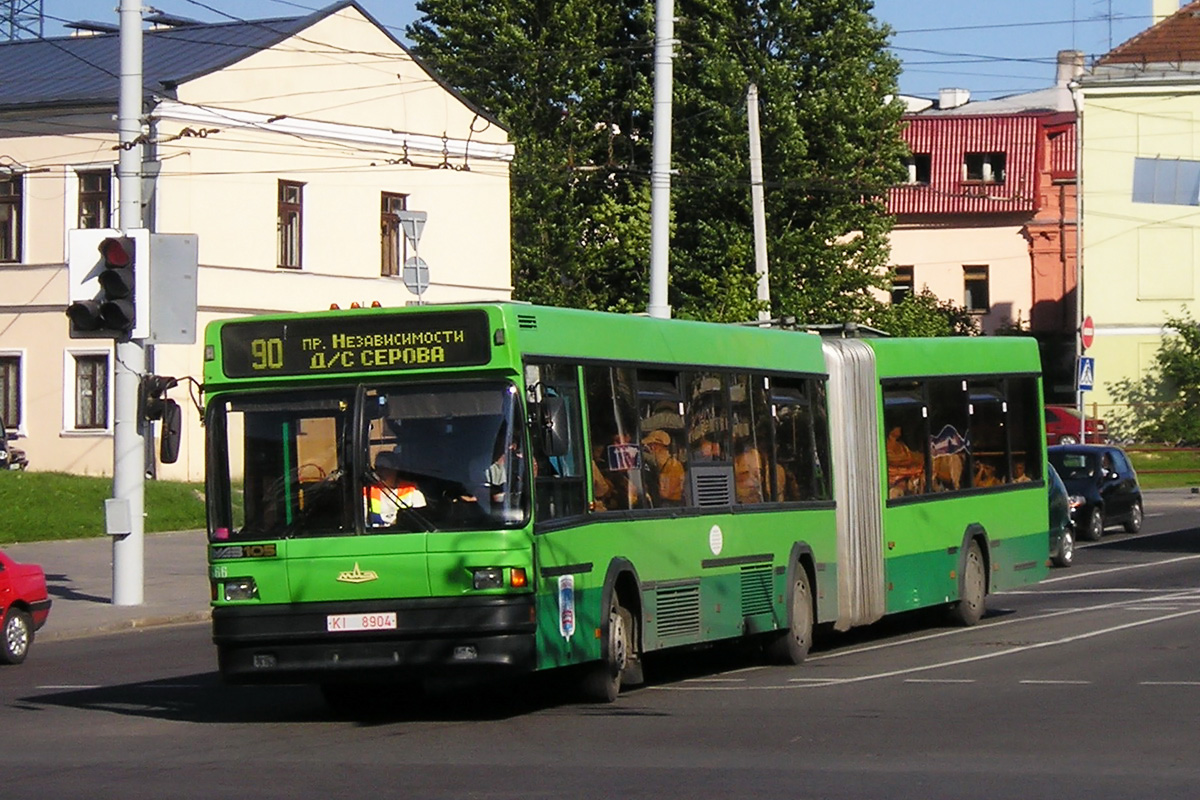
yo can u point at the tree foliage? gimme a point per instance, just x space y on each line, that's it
923 314
572 81
1164 404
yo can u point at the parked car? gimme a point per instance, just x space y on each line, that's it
1062 427
24 606
11 457
1062 533
1103 487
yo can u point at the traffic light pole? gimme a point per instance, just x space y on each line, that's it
129 452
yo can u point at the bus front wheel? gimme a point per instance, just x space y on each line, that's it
602 683
791 646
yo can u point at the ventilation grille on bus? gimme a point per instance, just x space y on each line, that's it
527 321
756 589
678 610
712 486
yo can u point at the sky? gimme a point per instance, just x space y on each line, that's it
990 47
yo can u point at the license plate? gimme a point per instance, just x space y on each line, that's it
342 623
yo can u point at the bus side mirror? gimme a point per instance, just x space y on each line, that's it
172 429
552 415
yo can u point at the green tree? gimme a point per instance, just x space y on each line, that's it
572 80
923 314
1164 405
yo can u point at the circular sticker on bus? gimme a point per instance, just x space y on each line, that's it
716 540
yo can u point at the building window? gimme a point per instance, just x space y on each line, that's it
1174 181
975 285
902 284
920 168
95 198
395 243
291 218
10 217
91 392
10 391
984 167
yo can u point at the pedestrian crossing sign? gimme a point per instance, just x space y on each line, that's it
1087 373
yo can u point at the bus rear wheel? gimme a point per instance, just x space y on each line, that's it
602 682
969 608
792 645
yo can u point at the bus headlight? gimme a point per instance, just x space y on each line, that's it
487 577
240 589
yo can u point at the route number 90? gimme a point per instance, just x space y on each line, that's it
267 353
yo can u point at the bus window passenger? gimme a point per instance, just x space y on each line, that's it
667 490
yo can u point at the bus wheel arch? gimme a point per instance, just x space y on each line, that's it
620 661
790 646
974 571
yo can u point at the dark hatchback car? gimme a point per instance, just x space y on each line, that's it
1062 534
1103 487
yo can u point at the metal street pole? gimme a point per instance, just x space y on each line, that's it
660 172
129 450
757 203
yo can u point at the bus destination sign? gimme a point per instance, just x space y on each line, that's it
376 343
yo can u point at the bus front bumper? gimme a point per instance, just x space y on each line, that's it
294 644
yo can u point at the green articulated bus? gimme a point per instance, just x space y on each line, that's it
402 493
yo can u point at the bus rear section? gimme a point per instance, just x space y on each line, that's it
939 451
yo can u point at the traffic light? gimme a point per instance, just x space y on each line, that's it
110 314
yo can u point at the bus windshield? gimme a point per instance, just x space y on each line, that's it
426 458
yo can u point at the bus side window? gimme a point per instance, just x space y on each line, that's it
752 453
795 462
1025 429
906 437
948 445
989 436
616 454
558 482
664 456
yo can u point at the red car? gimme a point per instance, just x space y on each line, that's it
24 606
1062 427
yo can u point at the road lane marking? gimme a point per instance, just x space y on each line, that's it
1169 683
1056 683
939 680
58 687
1074 575
793 684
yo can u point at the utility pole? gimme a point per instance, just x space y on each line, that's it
660 172
124 512
757 205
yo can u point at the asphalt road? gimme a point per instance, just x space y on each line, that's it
1085 686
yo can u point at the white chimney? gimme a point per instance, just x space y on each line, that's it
953 98
1161 9
1070 66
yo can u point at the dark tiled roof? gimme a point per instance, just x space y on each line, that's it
68 71
1175 39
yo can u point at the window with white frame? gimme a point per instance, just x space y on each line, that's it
10 215
290 223
394 244
91 382
10 390
95 198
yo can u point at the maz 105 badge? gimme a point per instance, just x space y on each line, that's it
244 551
